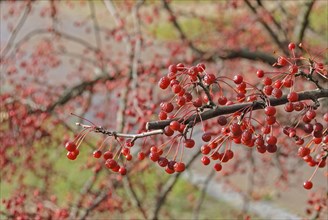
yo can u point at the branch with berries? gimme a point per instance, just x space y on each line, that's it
198 96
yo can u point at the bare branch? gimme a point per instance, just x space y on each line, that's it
183 36
275 22
272 33
303 20
86 189
77 90
129 188
243 53
123 135
202 196
95 23
223 110
17 29
168 188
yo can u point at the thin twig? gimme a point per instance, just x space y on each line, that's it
202 195
123 135
95 24
272 33
133 195
168 188
303 20
183 36
17 29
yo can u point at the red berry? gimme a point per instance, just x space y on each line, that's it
206 137
218 167
189 143
176 88
175 125
222 100
282 61
235 129
277 93
110 163
162 115
209 78
162 161
291 46
260 73
277 84
181 101
238 79
70 146
205 160
288 83
154 156
173 68
229 154
311 114
168 131
222 120
325 117
271 140
268 90
197 102
201 67
293 69
270 120
188 97
179 167
122 171
308 184
169 171
317 127
289 107
205 149
141 155
71 155
168 107
292 97
180 66
108 155
154 149
164 82
97 154
125 151
298 106
303 151
270 110
271 148
267 81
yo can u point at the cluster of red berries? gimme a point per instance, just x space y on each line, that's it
195 91
110 158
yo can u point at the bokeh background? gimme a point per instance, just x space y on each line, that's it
102 60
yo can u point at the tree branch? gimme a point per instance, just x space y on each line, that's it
202 195
123 135
168 188
16 29
134 197
183 36
272 33
246 54
223 110
303 20
95 22
76 91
